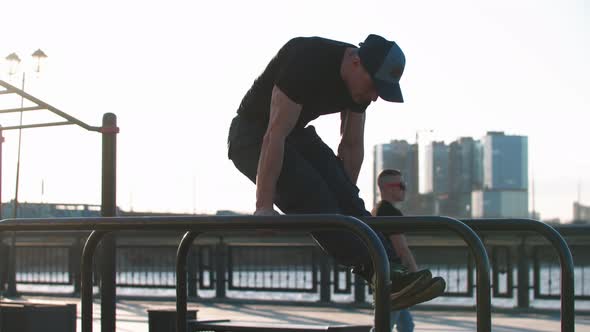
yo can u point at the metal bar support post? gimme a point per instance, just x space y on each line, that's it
181 291
86 278
108 209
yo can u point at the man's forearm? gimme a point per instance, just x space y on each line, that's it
405 254
352 159
269 169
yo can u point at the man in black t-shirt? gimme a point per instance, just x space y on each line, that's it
271 143
393 190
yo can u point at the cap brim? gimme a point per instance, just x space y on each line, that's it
389 91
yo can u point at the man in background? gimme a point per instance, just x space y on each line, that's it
393 190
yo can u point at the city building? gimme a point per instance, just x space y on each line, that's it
436 177
505 178
465 175
465 179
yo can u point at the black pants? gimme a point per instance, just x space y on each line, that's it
312 180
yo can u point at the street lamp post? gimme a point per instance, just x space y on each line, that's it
14 64
14 61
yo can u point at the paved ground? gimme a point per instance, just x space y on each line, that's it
132 316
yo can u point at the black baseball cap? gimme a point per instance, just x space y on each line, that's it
385 62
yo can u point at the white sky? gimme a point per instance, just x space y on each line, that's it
174 72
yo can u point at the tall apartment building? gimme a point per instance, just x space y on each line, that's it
465 175
437 168
436 179
505 178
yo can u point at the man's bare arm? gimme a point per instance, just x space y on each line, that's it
352 147
284 114
405 254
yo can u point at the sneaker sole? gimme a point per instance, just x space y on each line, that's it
433 290
418 290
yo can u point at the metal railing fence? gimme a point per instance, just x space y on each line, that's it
139 260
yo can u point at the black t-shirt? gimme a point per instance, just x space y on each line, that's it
384 208
307 70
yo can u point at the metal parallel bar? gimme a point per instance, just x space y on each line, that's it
228 223
209 223
86 276
39 125
22 109
181 296
13 89
290 223
559 244
422 223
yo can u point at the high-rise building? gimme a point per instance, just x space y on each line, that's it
436 179
465 165
437 168
505 178
398 154
505 162
465 175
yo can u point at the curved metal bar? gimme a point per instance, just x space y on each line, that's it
309 223
417 223
86 276
181 298
559 244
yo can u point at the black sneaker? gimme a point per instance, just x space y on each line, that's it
402 281
435 288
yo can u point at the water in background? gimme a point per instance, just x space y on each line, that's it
456 280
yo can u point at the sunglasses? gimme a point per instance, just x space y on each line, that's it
401 185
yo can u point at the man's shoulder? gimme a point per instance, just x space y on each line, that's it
314 43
